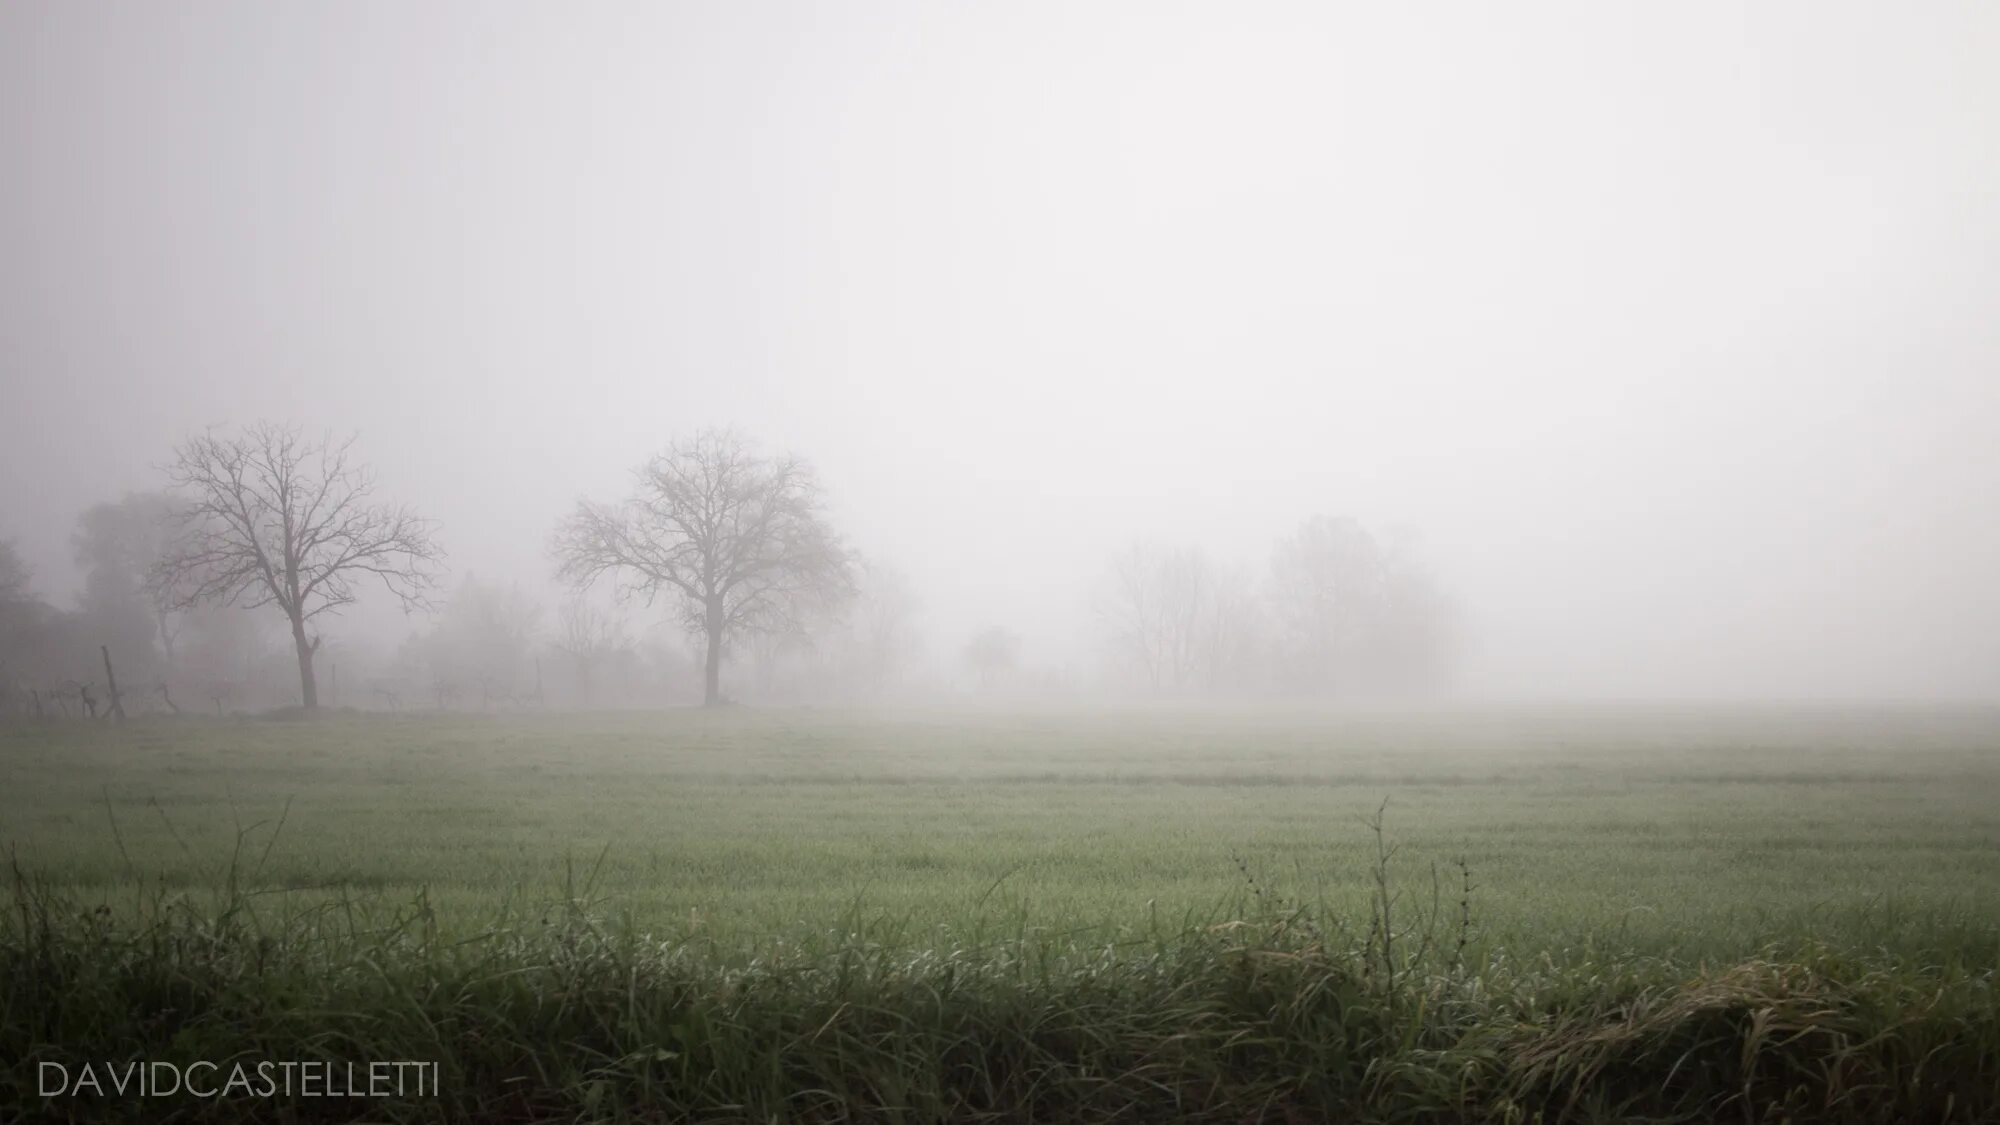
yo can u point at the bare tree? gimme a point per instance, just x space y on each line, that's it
853 647
882 631
1157 607
37 641
588 635
1358 614
1231 634
117 545
738 540
14 574
1326 594
992 653
20 612
1182 622
484 636
1418 631
274 518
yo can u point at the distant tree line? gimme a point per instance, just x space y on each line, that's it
734 545
1339 613
169 656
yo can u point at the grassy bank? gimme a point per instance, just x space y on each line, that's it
1608 914
1284 1014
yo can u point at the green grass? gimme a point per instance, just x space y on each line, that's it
1704 834
620 908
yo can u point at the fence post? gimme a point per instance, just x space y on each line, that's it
111 678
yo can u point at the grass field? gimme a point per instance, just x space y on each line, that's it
1709 833
1610 850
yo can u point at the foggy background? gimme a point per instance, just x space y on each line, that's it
1670 330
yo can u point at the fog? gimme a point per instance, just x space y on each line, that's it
1666 334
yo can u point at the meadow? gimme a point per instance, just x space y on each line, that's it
1529 866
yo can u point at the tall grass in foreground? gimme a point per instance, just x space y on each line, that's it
1274 1012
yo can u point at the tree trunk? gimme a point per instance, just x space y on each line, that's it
711 688
308 690
111 678
166 636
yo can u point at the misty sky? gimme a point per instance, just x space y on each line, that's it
1673 328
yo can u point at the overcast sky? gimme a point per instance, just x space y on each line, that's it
1673 328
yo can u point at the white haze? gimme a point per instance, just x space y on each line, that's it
1674 328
